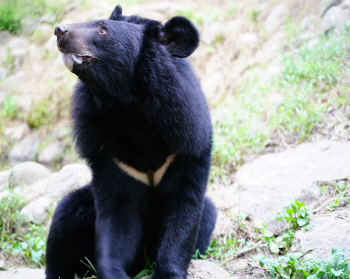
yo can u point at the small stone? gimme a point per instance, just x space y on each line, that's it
51 152
202 269
4 178
333 18
2 265
16 133
236 265
49 18
34 190
69 178
276 18
37 210
5 37
27 173
25 150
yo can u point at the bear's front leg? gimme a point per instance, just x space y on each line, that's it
118 222
183 213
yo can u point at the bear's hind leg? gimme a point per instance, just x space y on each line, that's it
206 225
72 236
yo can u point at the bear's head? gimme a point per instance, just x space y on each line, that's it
114 45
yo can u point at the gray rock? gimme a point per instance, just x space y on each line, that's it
27 173
51 152
25 103
17 133
276 18
3 73
70 177
37 210
325 5
34 190
202 269
2 264
333 18
49 18
236 265
22 273
25 150
4 194
329 232
29 25
62 129
4 178
18 50
267 184
5 37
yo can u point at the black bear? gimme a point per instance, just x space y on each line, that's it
141 121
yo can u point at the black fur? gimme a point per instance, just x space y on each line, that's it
137 102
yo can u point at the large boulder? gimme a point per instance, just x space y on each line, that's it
26 149
70 177
328 232
27 173
276 18
37 210
267 184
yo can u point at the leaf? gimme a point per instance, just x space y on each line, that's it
258 258
267 233
302 221
337 272
274 248
36 256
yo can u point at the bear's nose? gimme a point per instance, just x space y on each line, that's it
60 31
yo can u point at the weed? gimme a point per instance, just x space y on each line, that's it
40 115
296 265
14 12
295 217
253 15
9 108
15 239
250 122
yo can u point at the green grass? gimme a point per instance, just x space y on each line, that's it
13 13
299 266
311 81
295 217
17 237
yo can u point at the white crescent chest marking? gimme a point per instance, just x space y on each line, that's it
150 178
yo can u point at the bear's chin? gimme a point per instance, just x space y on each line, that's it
70 59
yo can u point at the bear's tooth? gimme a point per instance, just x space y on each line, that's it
77 59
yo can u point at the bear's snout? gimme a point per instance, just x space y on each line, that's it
60 31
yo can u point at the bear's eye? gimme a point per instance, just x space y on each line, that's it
103 30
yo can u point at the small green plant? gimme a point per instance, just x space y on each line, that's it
296 216
40 115
9 108
29 241
13 13
297 265
253 15
90 266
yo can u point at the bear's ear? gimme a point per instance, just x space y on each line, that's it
117 13
179 36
